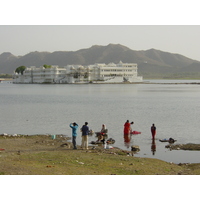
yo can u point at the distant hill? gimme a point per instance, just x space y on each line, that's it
151 63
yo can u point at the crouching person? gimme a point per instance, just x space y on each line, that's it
101 134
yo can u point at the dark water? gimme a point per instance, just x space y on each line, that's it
49 109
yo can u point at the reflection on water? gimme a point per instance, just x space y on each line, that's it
153 147
127 140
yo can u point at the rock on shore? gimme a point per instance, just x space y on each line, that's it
189 146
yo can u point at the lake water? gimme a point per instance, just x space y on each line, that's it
49 109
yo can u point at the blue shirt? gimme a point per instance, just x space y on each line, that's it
85 130
74 129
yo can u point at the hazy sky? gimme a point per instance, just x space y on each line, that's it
20 40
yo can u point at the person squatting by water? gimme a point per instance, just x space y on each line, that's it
102 133
85 132
74 127
153 131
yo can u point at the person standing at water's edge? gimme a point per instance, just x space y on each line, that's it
127 127
85 132
74 127
153 131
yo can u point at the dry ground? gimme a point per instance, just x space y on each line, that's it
40 155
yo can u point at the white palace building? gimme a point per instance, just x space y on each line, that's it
97 73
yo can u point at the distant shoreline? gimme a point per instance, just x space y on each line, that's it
145 81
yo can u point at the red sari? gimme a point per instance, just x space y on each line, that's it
127 127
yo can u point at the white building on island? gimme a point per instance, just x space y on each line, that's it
97 73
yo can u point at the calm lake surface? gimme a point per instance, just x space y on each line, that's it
49 109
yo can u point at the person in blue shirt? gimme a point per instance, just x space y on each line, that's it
85 132
74 127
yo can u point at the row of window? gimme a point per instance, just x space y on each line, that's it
35 72
120 75
48 76
128 66
118 70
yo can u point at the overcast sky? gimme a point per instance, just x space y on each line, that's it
20 40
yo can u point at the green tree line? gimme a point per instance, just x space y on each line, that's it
5 76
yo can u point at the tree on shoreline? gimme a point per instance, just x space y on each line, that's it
20 69
47 66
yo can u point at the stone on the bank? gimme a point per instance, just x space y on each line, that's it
68 145
135 148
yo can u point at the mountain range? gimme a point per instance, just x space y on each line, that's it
151 63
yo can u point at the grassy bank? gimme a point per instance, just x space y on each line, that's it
40 155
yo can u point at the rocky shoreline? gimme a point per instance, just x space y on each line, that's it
188 146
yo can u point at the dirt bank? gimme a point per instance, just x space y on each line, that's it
39 154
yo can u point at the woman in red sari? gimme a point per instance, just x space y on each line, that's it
127 127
